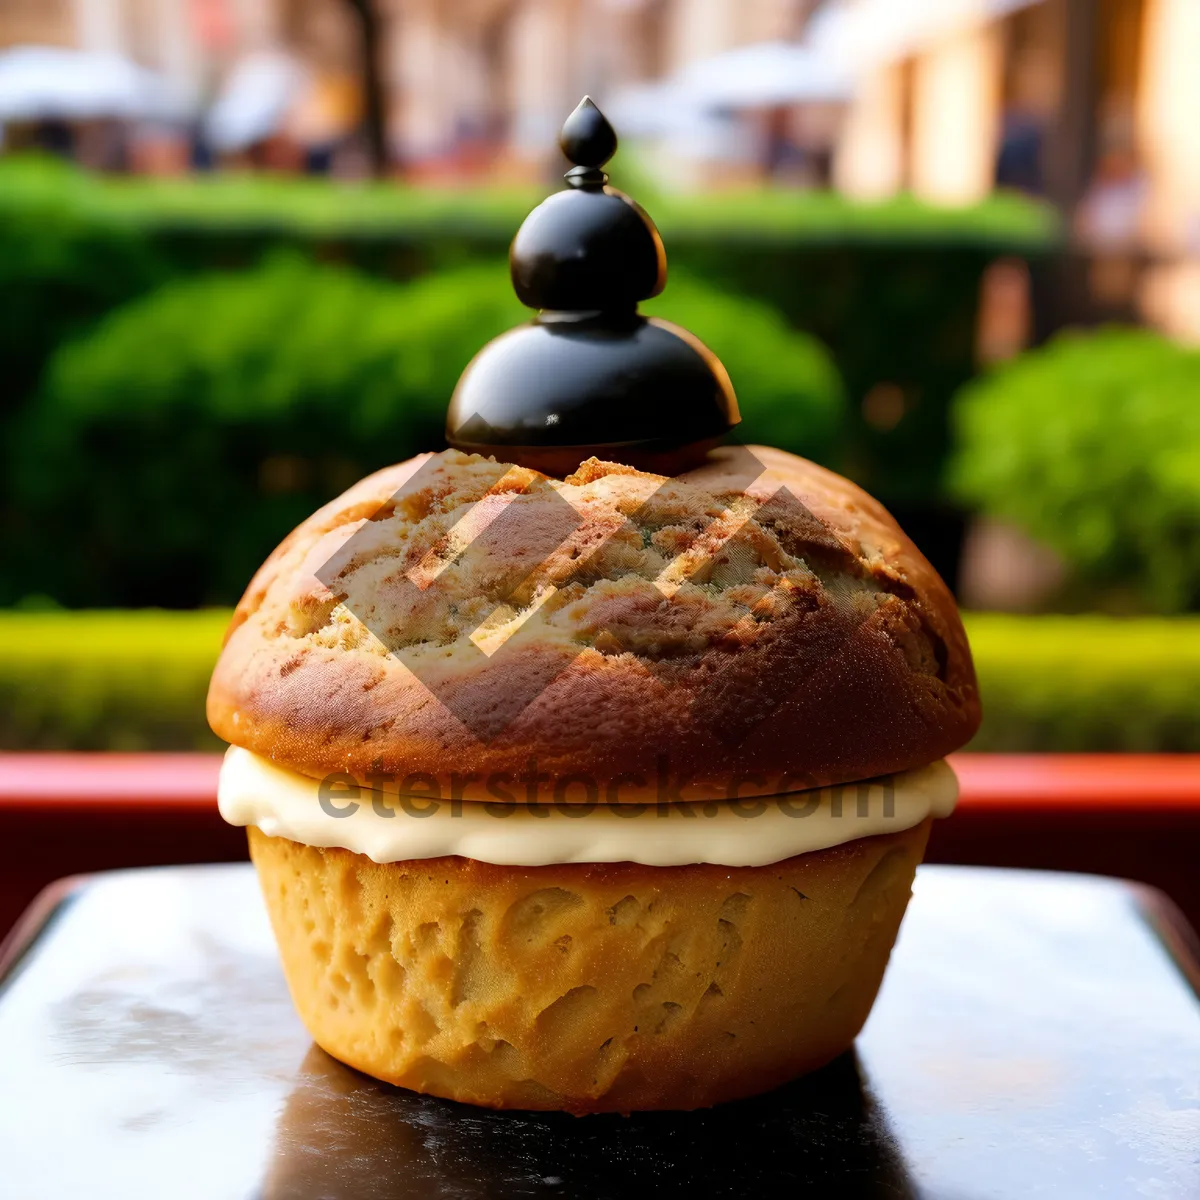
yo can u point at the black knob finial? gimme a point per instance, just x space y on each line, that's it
590 374
589 141
590 248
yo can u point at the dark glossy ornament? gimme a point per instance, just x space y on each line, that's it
591 375
587 138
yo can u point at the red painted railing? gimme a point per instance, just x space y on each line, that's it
117 782
1136 816
1118 783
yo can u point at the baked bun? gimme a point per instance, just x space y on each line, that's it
586 988
766 628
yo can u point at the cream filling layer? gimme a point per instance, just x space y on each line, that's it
753 832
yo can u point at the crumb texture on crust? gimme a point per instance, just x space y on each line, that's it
478 614
586 988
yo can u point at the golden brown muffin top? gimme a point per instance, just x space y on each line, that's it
762 625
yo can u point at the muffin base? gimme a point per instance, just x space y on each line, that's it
586 987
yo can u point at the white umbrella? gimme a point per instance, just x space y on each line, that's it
861 34
256 98
761 75
646 109
765 74
49 81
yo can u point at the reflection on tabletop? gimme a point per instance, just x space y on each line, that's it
343 1136
150 1020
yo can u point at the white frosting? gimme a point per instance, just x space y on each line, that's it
747 833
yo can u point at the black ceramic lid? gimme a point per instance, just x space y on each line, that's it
591 375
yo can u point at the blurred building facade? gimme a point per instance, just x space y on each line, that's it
951 95
1090 103
461 79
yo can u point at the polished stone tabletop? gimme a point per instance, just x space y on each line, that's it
1036 1036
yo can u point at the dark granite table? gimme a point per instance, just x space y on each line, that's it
1037 1035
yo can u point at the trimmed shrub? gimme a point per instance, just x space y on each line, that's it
789 391
1092 445
62 265
174 446
137 681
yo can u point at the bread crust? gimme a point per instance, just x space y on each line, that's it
586 988
829 651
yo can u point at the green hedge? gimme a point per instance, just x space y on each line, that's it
62 264
131 681
891 288
174 446
314 208
1092 445
1088 682
107 680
